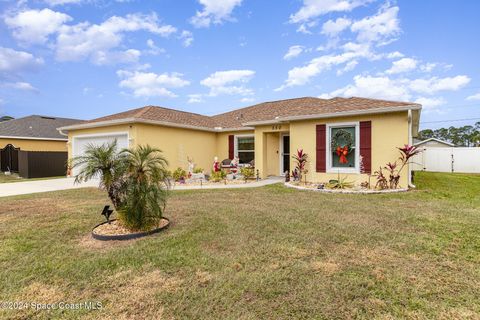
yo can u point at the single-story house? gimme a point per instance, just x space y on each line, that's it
268 133
33 134
433 143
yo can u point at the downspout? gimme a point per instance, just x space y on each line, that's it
410 142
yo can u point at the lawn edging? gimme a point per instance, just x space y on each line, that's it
289 185
130 236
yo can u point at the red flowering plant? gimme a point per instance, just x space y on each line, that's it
301 159
394 169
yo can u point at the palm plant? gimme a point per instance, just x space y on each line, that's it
147 187
105 163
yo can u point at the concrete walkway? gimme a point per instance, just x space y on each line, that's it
256 184
27 187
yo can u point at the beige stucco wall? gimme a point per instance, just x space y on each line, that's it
35 145
389 131
177 144
267 153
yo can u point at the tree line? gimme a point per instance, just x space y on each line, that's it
466 136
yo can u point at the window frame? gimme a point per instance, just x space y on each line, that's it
235 140
329 167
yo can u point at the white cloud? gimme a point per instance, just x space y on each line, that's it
474 97
395 55
382 27
348 67
247 100
428 67
187 38
20 85
374 87
430 104
301 75
149 84
293 51
333 28
312 9
12 61
195 98
153 49
402 65
214 11
435 84
92 41
82 41
62 2
229 82
401 89
34 26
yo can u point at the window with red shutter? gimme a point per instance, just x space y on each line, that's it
321 154
366 145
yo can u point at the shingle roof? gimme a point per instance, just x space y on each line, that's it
266 111
301 107
36 127
162 114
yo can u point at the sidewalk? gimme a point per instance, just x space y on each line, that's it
28 187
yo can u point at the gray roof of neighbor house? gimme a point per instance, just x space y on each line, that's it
420 142
266 112
36 127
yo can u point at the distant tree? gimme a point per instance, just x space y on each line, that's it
425 134
6 118
466 136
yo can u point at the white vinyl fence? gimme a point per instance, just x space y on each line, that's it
465 160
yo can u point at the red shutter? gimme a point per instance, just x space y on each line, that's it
321 148
366 145
231 147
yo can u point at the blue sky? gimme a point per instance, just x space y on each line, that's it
88 58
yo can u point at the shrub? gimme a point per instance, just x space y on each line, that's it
136 181
178 174
339 183
394 170
301 159
198 170
247 173
218 176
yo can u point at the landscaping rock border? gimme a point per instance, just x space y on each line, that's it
289 185
130 236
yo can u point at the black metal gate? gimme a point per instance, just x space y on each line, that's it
9 158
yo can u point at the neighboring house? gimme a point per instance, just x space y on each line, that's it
32 133
268 133
433 143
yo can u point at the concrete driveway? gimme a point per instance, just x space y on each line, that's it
27 187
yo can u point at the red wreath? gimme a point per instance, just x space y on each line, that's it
342 153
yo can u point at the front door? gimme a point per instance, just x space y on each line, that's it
285 161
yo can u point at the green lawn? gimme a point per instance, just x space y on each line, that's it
268 253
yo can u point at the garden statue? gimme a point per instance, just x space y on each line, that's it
234 165
287 176
191 166
216 165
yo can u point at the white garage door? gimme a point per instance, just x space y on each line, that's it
80 143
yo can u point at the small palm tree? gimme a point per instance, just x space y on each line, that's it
147 187
105 163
